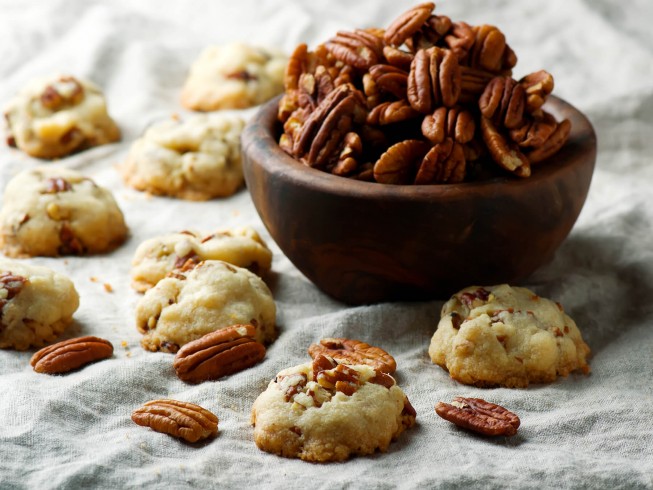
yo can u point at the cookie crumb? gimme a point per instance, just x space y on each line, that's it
108 288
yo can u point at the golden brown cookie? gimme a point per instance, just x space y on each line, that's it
506 336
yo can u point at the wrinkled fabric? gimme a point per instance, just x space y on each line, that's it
595 431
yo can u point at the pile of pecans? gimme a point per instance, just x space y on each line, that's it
427 101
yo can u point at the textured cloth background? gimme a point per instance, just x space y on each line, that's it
75 431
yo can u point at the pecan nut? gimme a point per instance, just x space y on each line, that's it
503 101
351 152
65 91
391 112
460 40
56 184
71 354
535 131
454 122
399 163
434 80
351 351
490 51
360 49
320 137
479 416
504 152
553 143
390 79
397 57
407 24
218 354
432 31
183 420
10 286
444 163
538 86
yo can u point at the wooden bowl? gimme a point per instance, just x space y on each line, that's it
364 242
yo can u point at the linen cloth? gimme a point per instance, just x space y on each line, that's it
593 431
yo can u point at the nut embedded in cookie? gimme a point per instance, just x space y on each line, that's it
506 336
55 116
213 295
51 211
324 411
36 304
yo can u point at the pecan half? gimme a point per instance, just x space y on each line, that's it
503 101
351 152
390 79
553 143
407 24
183 420
431 32
218 354
472 299
460 40
490 51
391 112
504 152
434 80
479 416
399 163
443 164
360 49
321 135
71 354
535 131
396 57
454 122
538 86
351 351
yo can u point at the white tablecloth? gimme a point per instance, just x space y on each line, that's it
75 431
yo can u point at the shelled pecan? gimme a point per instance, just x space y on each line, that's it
351 351
183 420
71 354
479 416
376 83
218 354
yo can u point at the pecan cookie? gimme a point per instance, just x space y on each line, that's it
196 159
157 257
207 297
56 116
233 76
36 304
324 411
506 336
53 211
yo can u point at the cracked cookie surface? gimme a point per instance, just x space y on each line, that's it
506 336
36 304
52 211
210 296
197 158
158 256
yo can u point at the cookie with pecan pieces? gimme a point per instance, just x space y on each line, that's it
55 116
506 336
51 211
324 411
36 304
233 76
197 158
157 257
206 297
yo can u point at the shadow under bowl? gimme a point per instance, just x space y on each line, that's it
365 242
